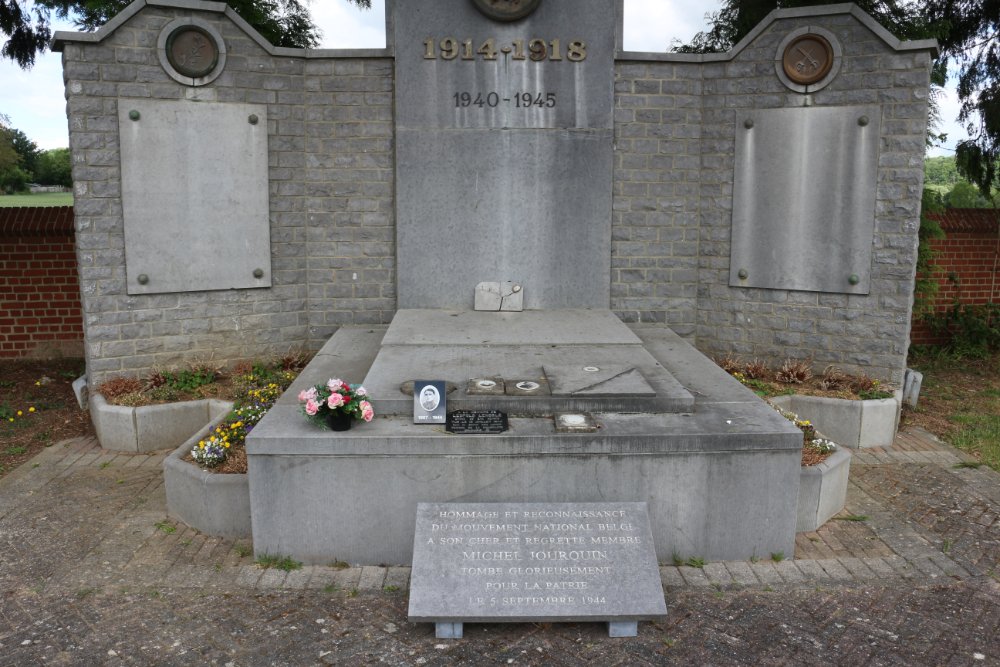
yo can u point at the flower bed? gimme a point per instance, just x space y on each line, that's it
214 504
853 410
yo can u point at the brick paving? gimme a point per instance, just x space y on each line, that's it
94 572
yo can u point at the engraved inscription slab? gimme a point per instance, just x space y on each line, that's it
490 422
513 562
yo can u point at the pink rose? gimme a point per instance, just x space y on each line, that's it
360 391
307 395
367 411
335 401
334 384
312 407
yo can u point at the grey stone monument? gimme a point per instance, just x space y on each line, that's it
496 144
504 133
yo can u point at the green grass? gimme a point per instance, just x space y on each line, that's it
279 563
852 517
166 527
980 437
40 199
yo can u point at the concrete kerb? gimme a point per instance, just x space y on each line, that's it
850 423
212 503
822 491
151 427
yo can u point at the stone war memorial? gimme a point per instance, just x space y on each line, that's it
506 201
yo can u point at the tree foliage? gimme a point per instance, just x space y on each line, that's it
54 167
968 34
27 25
27 31
737 18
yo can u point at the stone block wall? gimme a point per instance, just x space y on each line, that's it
657 197
331 210
331 167
40 312
698 105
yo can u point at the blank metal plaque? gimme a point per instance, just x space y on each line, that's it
194 195
804 199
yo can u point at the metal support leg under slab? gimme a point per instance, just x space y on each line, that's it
623 628
451 630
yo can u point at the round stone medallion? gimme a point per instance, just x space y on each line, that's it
192 51
506 10
807 59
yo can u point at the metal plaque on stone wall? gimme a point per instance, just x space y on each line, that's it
804 198
194 195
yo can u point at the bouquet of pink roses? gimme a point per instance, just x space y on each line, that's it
336 403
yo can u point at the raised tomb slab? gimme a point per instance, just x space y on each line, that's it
720 478
582 360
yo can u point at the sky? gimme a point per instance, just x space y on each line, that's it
36 105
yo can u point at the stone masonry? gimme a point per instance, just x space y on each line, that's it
674 194
331 206
330 120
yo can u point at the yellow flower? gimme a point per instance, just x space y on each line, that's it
20 414
31 409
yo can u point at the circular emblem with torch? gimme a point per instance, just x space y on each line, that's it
506 10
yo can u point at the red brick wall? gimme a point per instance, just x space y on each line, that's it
967 263
40 312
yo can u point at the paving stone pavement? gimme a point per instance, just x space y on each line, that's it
93 572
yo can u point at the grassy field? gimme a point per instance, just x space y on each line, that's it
960 403
40 199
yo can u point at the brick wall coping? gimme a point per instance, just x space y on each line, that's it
36 221
967 219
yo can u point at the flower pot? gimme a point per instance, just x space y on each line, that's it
339 421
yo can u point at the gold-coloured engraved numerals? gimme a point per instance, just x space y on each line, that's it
536 50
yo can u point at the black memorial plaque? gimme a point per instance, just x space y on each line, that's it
490 422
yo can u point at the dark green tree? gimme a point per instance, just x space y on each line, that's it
12 177
26 149
27 26
965 195
54 168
